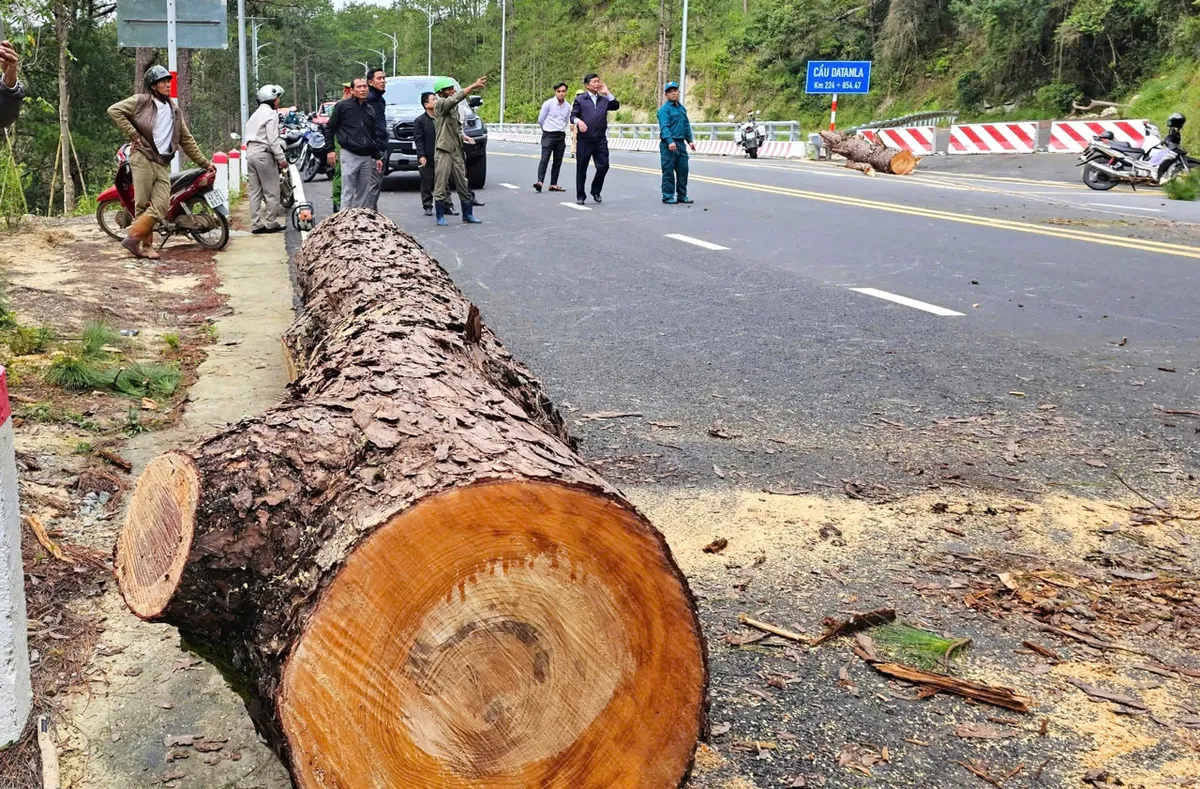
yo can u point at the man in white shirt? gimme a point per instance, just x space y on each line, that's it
554 119
265 159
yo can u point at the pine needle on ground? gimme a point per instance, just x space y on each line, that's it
917 647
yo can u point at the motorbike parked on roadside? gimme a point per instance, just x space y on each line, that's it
197 209
1108 161
314 154
750 135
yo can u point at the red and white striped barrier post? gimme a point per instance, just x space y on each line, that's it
833 114
1076 136
220 161
245 165
235 173
994 138
16 692
917 139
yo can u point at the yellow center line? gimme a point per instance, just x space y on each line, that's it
1142 245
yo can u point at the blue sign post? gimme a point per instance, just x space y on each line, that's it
838 76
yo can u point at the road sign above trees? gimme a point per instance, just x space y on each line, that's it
838 76
199 24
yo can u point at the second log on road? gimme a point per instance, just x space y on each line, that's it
406 566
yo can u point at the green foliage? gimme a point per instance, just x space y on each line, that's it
97 335
145 379
78 373
1185 188
917 647
172 341
83 448
26 340
969 91
1058 97
133 422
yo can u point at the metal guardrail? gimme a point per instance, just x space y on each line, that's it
782 131
928 118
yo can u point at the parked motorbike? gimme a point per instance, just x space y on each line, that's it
197 209
1109 161
751 135
293 143
314 155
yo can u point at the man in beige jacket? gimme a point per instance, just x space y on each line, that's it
155 127
264 147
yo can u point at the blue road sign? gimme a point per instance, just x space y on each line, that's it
838 76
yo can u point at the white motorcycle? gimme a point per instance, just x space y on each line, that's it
1108 161
750 135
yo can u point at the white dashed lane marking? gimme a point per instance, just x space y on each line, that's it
696 241
907 302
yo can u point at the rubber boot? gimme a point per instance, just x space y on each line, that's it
139 229
440 209
468 212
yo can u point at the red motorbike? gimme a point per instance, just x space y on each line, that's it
197 209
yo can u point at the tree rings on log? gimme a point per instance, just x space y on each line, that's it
505 634
152 550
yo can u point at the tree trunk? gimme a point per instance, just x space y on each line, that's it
860 149
143 59
183 59
62 31
405 565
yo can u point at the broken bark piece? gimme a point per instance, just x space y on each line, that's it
1101 694
772 629
992 694
856 623
115 459
716 546
859 149
862 167
412 577
1045 652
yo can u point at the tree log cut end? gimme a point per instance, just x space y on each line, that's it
903 163
502 634
154 545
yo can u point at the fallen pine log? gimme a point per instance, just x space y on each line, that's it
405 566
859 149
991 694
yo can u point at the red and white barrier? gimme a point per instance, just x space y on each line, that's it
235 173
917 139
768 150
245 165
221 163
1075 136
16 692
994 138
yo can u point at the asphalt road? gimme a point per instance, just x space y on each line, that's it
843 328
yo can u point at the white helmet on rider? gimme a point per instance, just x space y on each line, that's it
268 93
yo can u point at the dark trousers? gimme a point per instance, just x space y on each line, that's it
590 150
552 143
674 170
427 185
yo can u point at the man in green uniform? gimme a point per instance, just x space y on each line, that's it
448 158
337 165
675 131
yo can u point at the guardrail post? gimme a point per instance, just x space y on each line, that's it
16 693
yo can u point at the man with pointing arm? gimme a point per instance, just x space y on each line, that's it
589 113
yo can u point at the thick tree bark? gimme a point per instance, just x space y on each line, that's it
664 42
143 59
405 563
184 80
860 149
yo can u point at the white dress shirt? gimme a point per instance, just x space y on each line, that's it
555 115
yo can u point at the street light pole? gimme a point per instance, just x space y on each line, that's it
503 53
683 53
366 66
392 36
383 57
242 65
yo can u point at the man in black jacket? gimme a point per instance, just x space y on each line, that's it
376 85
590 116
352 124
425 140
12 92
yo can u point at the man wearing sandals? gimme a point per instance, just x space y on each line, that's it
156 130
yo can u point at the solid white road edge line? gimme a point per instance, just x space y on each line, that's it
510 186
696 241
907 302
1128 207
576 206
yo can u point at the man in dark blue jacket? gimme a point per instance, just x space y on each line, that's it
589 113
675 131
377 84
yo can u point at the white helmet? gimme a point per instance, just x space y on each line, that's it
268 93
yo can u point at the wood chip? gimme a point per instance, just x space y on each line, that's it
772 629
716 546
43 537
1130 575
1045 652
1105 695
612 415
991 694
115 459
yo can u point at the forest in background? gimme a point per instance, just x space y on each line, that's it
987 58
